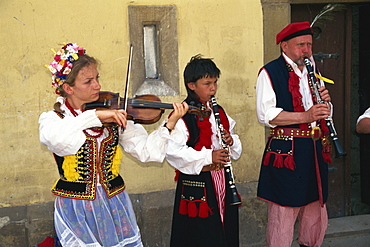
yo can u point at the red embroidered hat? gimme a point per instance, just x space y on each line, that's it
294 29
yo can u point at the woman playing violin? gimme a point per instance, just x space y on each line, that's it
92 207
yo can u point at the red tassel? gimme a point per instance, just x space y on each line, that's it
176 178
266 160
192 209
326 151
48 242
204 209
278 162
289 162
183 207
327 157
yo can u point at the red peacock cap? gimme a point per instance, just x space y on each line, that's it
294 29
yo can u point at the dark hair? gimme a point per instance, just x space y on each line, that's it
199 68
81 62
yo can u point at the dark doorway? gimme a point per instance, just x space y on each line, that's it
362 13
342 32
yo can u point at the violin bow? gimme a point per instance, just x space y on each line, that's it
128 77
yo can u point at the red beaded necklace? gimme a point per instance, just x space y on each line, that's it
95 132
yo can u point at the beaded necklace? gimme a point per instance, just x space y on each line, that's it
94 132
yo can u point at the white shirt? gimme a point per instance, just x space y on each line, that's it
365 115
266 98
65 136
190 161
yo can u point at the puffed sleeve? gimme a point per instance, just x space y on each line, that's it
64 136
146 148
184 158
266 100
236 148
366 114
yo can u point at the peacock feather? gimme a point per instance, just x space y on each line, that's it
327 13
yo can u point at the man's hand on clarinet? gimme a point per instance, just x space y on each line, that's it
317 112
324 94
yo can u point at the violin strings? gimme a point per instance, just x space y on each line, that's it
150 104
154 104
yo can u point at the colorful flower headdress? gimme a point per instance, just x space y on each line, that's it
63 62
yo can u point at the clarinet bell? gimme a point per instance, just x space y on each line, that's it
235 200
339 152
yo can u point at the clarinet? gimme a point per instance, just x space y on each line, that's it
235 200
329 121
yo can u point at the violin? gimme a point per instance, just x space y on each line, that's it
143 109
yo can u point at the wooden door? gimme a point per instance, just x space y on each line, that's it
335 38
364 98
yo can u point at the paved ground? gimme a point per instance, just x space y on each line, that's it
348 241
348 231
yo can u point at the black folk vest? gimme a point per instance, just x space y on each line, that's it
79 173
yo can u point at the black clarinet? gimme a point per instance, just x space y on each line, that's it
235 200
329 121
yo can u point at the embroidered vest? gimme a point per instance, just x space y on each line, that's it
79 172
192 125
279 76
194 201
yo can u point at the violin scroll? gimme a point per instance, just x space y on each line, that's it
197 111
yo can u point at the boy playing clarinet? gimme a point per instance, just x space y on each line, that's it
203 211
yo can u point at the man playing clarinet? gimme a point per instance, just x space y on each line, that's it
294 170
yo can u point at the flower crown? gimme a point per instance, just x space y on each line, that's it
63 62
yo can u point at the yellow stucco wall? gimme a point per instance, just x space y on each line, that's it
228 31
